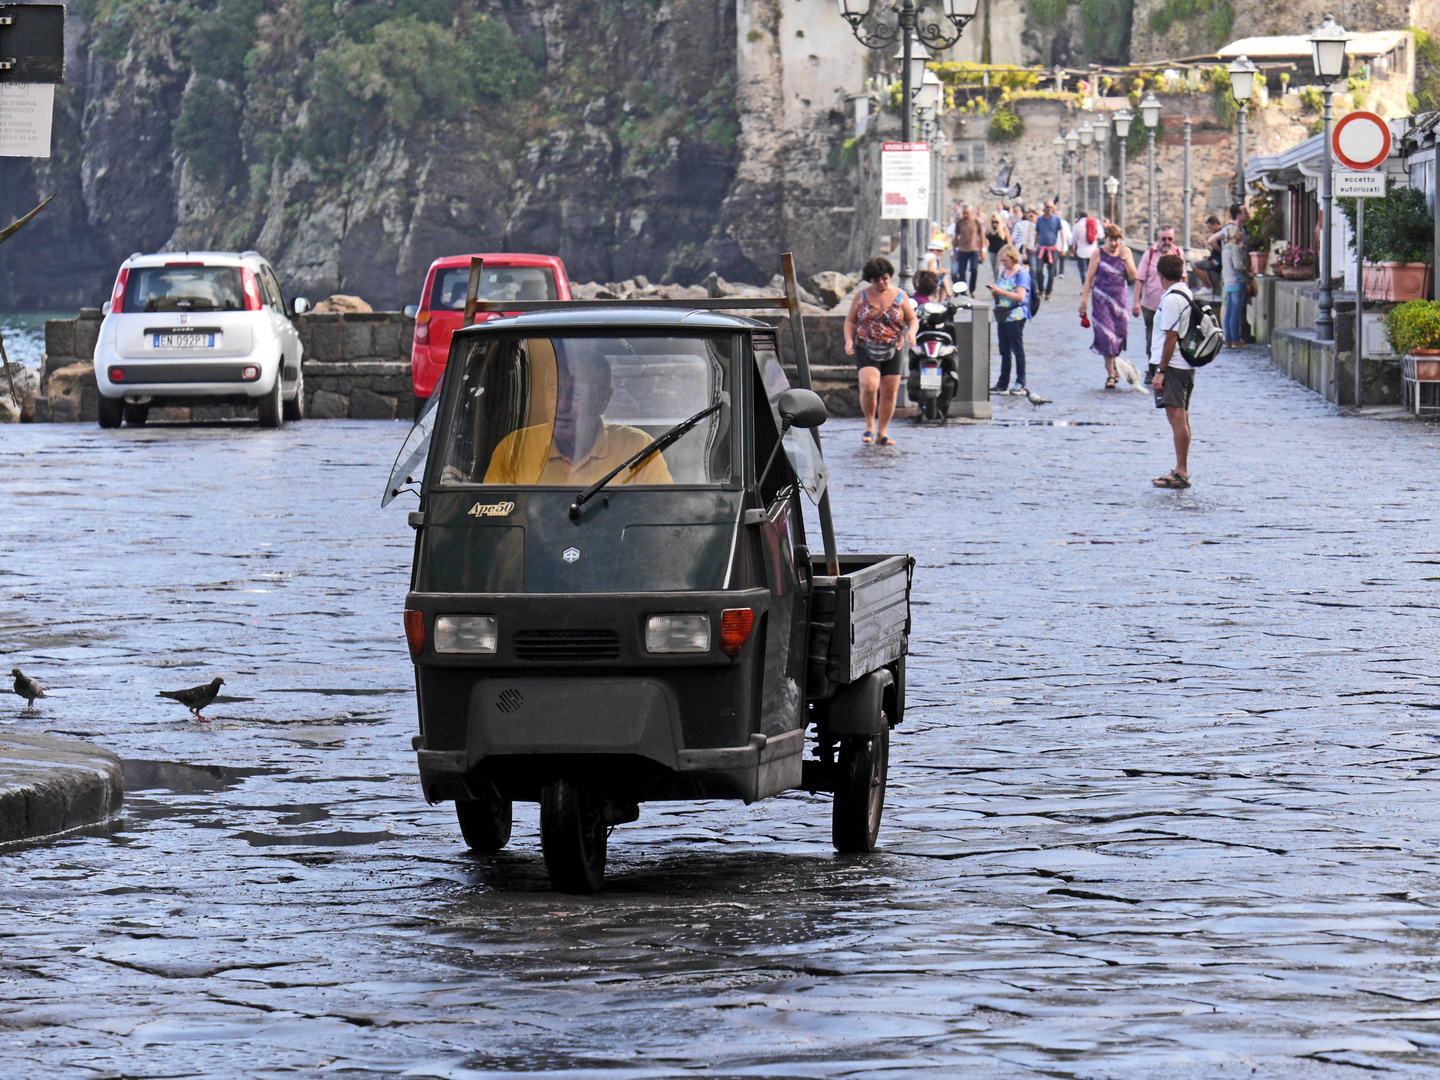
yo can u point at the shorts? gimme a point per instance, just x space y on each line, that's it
886 358
1175 389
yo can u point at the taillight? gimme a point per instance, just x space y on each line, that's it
250 373
117 294
117 374
252 289
422 327
735 627
415 630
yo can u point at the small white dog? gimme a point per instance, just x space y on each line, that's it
1128 373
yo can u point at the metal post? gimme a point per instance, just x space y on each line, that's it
1070 163
1360 297
907 22
1325 320
1084 180
1187 193
1150 201
472 288
1240 158
1059 178
1120 217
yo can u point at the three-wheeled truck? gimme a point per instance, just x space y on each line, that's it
613 599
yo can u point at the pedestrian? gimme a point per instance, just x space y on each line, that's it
1208 269
933 260
1011 296
1067 244
1112 268
927 288
1174 378
969 242
1047 249
1087 241
881 324
1148 289
1235 276
996 237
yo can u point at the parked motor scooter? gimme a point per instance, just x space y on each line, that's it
934 375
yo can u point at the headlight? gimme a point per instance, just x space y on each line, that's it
465 633
678 633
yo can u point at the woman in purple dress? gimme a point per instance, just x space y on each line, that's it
1112 269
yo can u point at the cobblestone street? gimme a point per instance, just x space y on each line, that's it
1163 803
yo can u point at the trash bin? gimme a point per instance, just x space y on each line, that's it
972 361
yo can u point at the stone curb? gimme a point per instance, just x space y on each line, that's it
50 785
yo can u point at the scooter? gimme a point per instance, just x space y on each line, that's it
934 375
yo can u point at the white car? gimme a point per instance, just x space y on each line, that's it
199 328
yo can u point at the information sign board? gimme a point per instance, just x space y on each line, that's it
26 110
904 180
1359 185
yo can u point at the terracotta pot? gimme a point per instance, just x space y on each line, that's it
1295 273
1259 260
1426 370
1396 282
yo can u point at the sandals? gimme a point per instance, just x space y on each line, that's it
1111 382
885 440
1173 480
868 438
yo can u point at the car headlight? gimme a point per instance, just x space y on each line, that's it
466 633
677 633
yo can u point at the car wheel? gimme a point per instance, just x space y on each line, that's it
136 415
573 836
271 407
295 407
110 411
860 791
485 823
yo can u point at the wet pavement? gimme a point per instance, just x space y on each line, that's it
1163 802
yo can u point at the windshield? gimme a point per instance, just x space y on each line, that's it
564 411
184 288
496 283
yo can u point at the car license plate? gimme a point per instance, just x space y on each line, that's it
183 341
929 377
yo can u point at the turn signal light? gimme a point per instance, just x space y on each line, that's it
735 627
117 294
415 630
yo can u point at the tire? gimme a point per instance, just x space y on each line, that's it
271 408
860 791
573 837
485 823
294 409
110 411
136 415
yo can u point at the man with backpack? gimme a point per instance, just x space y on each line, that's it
1191 340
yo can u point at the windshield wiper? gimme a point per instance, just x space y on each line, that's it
659 443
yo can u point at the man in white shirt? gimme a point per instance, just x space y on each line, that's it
1175 379
1067 237
1089 234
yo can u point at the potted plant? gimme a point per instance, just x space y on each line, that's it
1399 244
1295 263
1263 229
1414 331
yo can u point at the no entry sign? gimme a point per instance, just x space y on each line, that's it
1361 140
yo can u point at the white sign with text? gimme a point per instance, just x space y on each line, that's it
26 110
1359 185
905 180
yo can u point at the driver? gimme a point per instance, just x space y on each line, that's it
578 447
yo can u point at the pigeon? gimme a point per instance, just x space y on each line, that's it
27 688
1128 372
1035 399
196 697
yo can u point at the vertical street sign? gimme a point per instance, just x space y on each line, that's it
1360 186
904 180
32 61
25 113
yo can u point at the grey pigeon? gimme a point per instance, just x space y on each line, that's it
196 698
1034 398
27 687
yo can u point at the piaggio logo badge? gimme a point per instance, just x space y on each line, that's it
500 509
570 554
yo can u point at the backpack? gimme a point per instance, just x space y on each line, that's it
1204 339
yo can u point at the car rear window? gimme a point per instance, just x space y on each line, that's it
496 283
184 288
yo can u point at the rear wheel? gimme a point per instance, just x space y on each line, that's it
860 791
573 836
110 411
295 407
271 414
485 823
136 415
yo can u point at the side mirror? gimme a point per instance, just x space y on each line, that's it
802 408
301 305
105 308
411 310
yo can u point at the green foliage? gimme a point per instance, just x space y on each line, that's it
114 32
1226 107
1264 225
219 39
1105 26
1312 98
972 76
318 18
362 19
1427 73
1413 325
1048 12
208 128
1216 16
1006 125
847 154
1359 88
1136 141
1398 228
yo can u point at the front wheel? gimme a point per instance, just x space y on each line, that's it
271 406
860 791
485 823
110 411
573 836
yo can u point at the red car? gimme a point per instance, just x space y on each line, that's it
442 304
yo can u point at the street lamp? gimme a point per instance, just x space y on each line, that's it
1111 187
1327 54
1087 136
1101 125
1072 143
1059 144
927 95
1123 120
1242 85
1150 114
905 29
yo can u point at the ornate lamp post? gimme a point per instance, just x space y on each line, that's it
1150 114
927 110
1101 126
1111 187
1242 85
1072 143
905 29
1327 54
1123 120
1059 144
1186 191
1087 136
